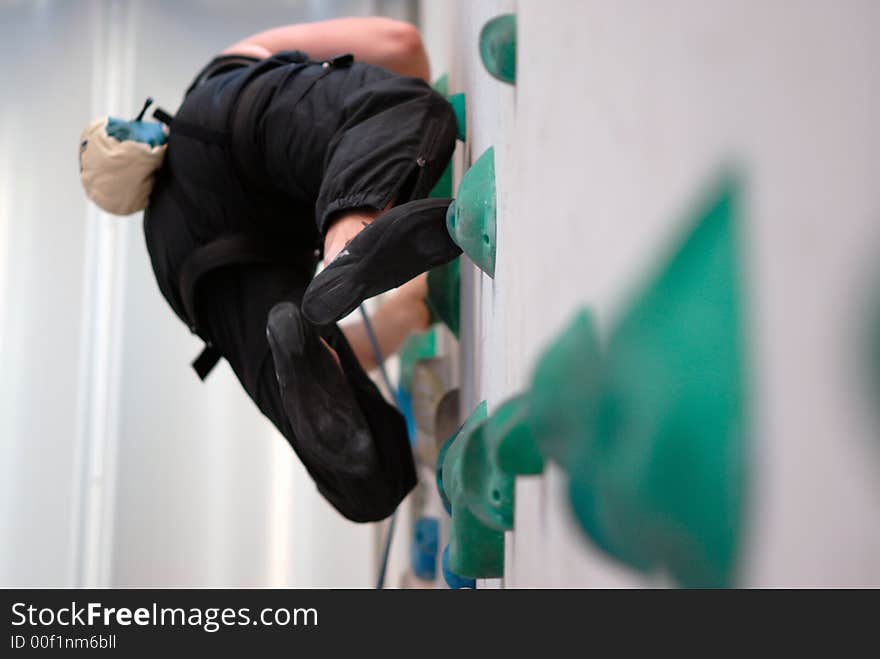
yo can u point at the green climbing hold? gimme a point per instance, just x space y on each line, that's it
471 217
486 488
476 548
441 85
452 449
509 435
459 107
476 417
443 188
416 347
498 47
438 474
444 295
457 101
659 481
565 390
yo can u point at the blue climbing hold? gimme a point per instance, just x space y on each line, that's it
423 552
452 580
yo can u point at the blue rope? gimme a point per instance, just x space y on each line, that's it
380 360
377 355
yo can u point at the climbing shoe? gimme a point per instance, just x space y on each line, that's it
323 413
404 242
471 219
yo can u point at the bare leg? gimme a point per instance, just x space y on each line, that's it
403 315
343 230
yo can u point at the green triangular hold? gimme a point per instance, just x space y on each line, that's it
498 47
459 107
443 188
565 390
444 295
471 217
659 482
441 85
457 101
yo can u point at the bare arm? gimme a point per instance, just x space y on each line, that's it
391 44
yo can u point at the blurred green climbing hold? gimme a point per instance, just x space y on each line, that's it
659 481
498 47
509 436
471 217
444 295
565 390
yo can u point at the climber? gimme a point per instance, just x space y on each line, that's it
303 142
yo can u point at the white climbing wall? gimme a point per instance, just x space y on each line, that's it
622 113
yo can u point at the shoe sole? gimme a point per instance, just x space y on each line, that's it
320 406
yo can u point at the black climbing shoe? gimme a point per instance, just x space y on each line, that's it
404 242
323 413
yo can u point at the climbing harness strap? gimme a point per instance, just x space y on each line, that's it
233 249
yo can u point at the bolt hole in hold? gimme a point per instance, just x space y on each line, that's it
496 496
486 238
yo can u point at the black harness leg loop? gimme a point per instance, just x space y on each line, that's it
234 249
